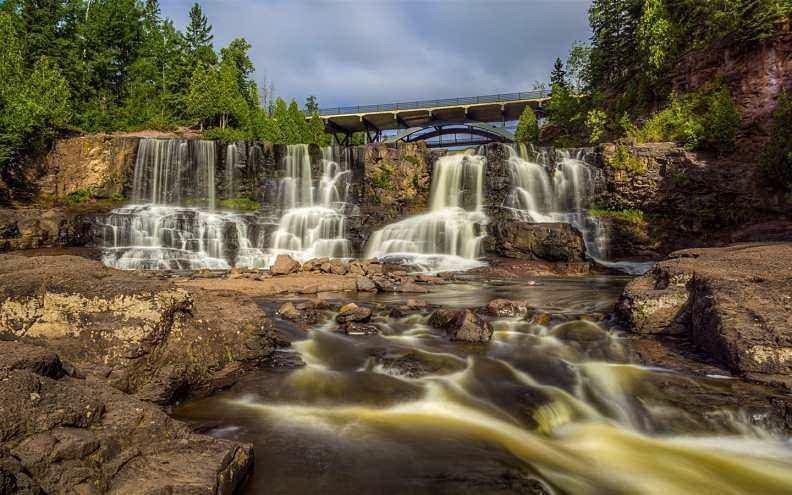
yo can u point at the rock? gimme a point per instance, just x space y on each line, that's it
365 284
288 311
356 268
314 264
407 285
66 435
354 328
733 303
506 307
428 279
339 267
417 303
353 313
372 267
143 335
462 325
536 241
284 265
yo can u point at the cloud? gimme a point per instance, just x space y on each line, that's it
364 52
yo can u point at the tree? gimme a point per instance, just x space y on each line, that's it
311 105
558 76
527 127
578 65
776 158
203 95
198 39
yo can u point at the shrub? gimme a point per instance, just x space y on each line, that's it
78 196
227 135
776 158
630 215
720 123
596 120
244 204
527 127
624 160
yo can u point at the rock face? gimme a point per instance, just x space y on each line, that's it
462 325
754 77
536 241
63 434
689 199
734 303
32 228
144 336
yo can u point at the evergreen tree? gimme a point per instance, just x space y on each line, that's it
527 127
558 76
198 39
311 105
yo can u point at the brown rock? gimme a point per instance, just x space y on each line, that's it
416 303
506 307
536 241
353 313
462 325
314 264
288 311
284 265
365 284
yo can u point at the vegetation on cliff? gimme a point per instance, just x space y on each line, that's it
621 83
108 65
777 156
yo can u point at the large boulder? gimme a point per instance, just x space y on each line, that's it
284 265
506 307
536 241
143 335
734 303
462 325
60 434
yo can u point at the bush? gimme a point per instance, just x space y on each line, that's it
596 120
624 160
243 204
776 158
227 135
698 122
77 197
527 127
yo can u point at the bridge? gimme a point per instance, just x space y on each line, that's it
466 115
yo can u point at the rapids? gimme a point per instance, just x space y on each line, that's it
551 405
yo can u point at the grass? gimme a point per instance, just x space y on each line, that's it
243 204
629 215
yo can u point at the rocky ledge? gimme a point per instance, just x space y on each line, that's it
734 304
63 433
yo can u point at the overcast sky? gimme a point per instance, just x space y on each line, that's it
380 51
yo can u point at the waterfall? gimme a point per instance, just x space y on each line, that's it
542 193
313 223
449 235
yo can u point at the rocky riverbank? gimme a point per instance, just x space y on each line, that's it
732 304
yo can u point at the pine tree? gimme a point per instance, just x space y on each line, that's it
558 76
311 105
527 127
198 39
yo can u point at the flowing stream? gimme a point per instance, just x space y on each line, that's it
550 406
449 236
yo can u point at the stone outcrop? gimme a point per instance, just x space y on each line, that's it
733 303
689 199
536 241
144 336
61 433
462 325
32 228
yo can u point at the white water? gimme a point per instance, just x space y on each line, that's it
313 223
449 236
543 194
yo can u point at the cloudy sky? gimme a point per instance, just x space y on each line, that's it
380 51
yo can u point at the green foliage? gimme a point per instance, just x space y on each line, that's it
706 122
558 75
527 127
596 120
568 113
629 215
626 161
78 196
241 204
579 66
776 159
381 176
226 135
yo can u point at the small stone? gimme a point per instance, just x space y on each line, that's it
365 284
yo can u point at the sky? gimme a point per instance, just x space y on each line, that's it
380 51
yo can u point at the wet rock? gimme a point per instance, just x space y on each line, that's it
355 328
284 265
462 325
506 307
66 435
365 284
428 279
288 311
416 303
733 303
580 331
353 313
536 241
407 285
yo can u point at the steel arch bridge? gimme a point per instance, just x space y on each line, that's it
474 132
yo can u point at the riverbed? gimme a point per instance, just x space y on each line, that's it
554 403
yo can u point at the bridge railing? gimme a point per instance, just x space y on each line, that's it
447 102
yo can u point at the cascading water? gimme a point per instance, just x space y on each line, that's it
449 236
160 233
313 222
543 194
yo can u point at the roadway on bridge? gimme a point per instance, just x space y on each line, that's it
406 115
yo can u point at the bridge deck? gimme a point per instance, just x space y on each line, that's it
488 108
